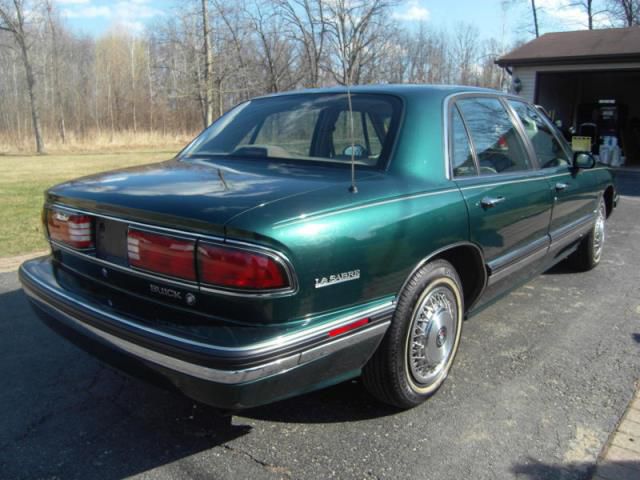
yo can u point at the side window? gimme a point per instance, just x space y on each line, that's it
461 157
497 143
548 150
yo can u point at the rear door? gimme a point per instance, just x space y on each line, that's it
572 190
507 197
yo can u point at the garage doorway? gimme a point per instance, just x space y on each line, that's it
573 97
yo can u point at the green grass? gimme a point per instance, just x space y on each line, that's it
23 179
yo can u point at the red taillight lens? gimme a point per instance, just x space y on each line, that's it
162 254
70 229
231 268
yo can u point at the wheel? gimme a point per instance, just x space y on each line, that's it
588 254
415 355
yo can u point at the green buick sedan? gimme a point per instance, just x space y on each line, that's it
308 238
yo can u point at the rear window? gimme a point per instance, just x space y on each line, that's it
309 127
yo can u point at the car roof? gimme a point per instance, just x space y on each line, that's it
402 90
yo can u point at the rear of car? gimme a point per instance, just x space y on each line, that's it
151 270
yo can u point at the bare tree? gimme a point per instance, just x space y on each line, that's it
465 52
534 11
353 27
59 106
208 65
116 85
275 49
12 20
587 6
307 26
626 12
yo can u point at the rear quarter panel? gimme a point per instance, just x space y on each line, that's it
382 239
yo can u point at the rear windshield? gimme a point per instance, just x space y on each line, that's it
309 127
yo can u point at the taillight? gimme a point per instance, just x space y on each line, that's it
71 229
162 254
233 268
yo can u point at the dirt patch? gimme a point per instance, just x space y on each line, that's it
9 264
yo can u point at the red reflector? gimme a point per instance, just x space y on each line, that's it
73 230
347 328
232 268
162 254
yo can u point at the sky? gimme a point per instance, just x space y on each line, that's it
94 17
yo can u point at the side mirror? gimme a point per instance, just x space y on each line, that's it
583 160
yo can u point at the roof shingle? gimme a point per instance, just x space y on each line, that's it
605 45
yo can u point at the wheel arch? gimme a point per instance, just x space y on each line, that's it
468 260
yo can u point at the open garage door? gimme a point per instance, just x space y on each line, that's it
574 97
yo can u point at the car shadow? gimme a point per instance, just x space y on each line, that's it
345 402
535 470
562 268
628 182
74 417
68 416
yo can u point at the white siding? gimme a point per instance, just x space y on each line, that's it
527 75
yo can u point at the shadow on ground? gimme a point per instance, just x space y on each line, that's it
89 421
65 412
628 182
534 470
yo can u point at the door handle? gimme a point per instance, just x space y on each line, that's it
490 202
561 186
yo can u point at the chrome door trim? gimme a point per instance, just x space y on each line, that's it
518 254
522 262
571 228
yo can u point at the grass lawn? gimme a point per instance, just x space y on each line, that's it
24 179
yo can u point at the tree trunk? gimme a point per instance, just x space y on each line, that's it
15 25
56 77
208 62
535 17
35 114
133 85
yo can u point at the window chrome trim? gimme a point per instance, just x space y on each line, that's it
502 98
277 256
530 176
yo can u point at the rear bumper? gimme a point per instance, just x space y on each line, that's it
283 371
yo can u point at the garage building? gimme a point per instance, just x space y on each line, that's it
589 80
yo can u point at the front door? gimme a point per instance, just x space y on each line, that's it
572 189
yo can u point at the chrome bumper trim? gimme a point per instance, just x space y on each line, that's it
278 343
229 377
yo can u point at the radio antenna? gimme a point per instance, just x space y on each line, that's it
352 187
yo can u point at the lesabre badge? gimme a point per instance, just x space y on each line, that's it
337 278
